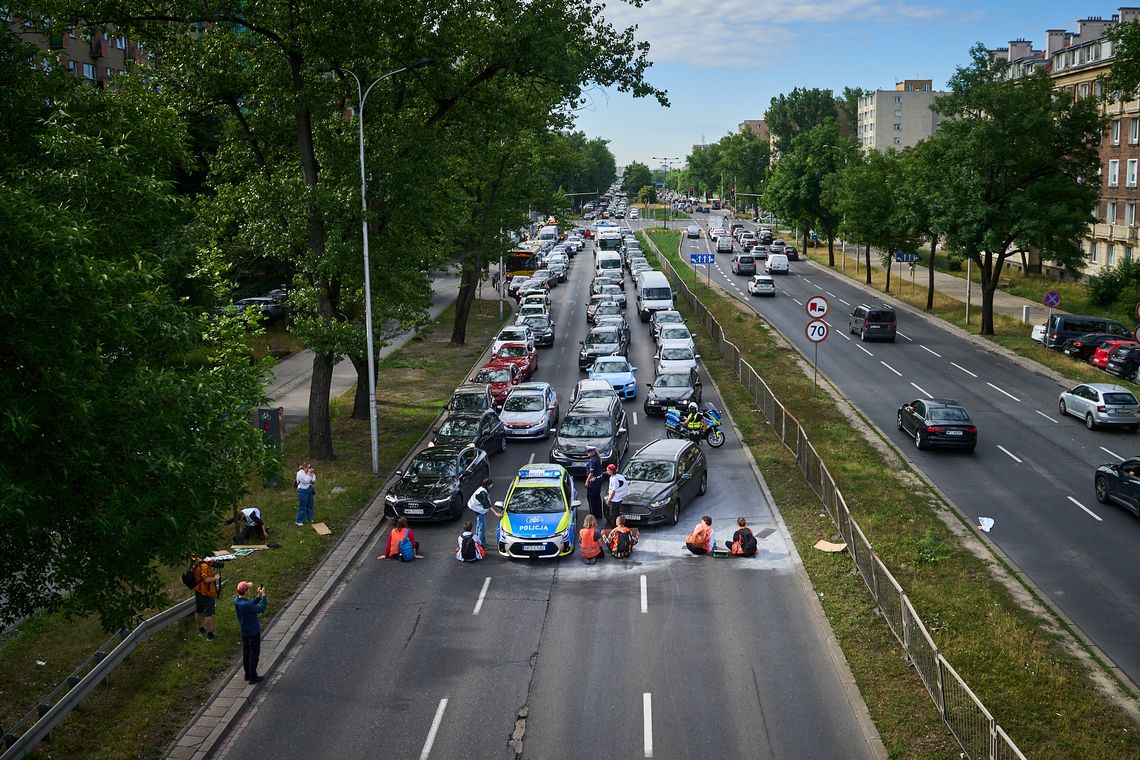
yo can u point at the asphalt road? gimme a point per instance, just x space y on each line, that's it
662 655
1032 471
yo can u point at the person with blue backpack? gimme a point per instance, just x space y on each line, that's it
402 543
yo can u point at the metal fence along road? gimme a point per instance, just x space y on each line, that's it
975 729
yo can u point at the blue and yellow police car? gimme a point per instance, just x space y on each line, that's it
538 514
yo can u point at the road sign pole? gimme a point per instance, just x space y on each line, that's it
814 368
708 276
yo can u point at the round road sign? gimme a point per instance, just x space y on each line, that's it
1136 333
1052 299
816 331
1138 312
816 307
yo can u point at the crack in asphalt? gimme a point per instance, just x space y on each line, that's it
415 626
515 741
760 706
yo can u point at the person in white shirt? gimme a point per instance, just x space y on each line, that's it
480 504
251 524
619 489
304 482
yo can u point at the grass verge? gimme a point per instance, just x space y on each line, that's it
1015 662
153 695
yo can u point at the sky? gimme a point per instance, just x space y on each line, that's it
722 61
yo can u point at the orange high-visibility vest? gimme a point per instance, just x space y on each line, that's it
613 536
590 546
700 536
394 539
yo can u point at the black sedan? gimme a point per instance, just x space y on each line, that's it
543 329
437 483
1119 484
601 341
1124 362
663 477
484 430
1084 346
673 387
938 422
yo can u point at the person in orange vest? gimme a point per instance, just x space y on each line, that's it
590 539
395 536
621 539
702 539
743 543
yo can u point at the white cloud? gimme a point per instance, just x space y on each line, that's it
721 33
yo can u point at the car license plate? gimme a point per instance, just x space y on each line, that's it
533 547
632 517
413 511
953 432
1120 411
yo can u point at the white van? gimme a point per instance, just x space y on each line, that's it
548 234
777 263
653 294
608 262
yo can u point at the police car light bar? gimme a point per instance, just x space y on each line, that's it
540 472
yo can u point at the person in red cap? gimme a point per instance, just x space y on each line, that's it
619 489
247 615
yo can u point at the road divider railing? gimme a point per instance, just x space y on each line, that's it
979 735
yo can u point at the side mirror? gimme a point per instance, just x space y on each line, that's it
581 343
499 504
687 476
623 431
698 356
657 356
632 370
576 503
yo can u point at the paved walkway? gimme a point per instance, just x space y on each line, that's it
290 388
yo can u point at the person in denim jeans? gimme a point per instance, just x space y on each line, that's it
480 504
304 482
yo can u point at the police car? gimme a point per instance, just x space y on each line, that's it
538 514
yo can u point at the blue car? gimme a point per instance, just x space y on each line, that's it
616 371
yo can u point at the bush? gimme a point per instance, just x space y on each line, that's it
1110 285
954 263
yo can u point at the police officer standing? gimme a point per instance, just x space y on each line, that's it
594 482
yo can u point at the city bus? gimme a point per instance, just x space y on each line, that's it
715 203
522 260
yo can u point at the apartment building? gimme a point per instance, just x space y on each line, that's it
898 118
97 57
757 127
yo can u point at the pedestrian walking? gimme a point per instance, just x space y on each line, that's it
594 483
619 489
590 539
206 581
396 537
250 624
702 540
469 548
480 504
304 481
743 543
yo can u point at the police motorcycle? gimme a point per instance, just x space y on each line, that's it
676 427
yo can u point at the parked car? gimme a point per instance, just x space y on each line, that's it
437 483
616 371
762 285
1083 346
601 341
674 387
1099 357
664 476
938 422
1101 404
523 356
596 422
1124 362
471 397
484 430
1038 333
1119 484
743 263
530 411
873 322
1061 327
499 379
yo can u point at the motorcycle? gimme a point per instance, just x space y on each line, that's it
675 426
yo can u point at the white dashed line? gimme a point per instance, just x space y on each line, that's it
845 336
1111 453
959 366
1055 422
817 287
647 718
482 595
801 303
635 418
1009 453
1082 506
531 460
999 390
892 369
924 348
868 353
922 390
831 294
848 303
904 337
434 729
644 595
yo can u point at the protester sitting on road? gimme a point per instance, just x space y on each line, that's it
743 543
621 539
590 538
469 548
395 536
701 540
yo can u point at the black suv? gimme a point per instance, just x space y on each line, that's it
663 477
437 483
597 422
601 341
673 387
873 322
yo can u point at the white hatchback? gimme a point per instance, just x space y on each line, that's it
762 285
675 356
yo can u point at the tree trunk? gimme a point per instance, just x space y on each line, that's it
930 274
990 272
867 254
320 435
360 400
468 281
830 249
890 266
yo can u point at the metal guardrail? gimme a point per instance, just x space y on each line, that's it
76 687
979 735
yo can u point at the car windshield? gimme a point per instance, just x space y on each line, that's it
465 426
949 414
537 323
468 402
583 426
1119 399
665 318
524 402
537 500
611 290
431 467
674 333
493 376
608 309
513 351
611 365
608 336
597 300
672 380
513 335
606 392
676 353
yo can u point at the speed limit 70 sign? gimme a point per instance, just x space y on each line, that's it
816 331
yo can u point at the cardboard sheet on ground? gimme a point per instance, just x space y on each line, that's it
322 529
255 547
827 546
223 555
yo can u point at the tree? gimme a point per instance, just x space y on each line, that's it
636 176
799 111
743 157
647 194
1018 164
848 104
126 413
919 201
704 169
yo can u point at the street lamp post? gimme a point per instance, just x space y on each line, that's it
665 160
361 97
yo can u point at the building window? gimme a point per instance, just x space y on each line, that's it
898 141
898 114
1098 88
109 72
1131 178
1116 132
1110 257
89 71
1092 251
1084 89
1134 131
898 98
1110 212
1130 214
1114 172
1128 253
898 127
71 66
121 43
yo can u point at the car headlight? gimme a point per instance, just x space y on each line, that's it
561 536
442 500
606 454
390 497
659 503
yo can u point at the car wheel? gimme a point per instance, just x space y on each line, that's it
503 444
704 483
898 420
1090 423
675 515
863 335
918 442
1101 488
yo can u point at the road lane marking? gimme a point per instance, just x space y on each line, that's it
482 595
831 294
848 303
434 729
892 369
1082 506
644 596
868 353
999 390
1111 453
1009 453
801 303
922 390
903 336
924 348
647 719
817 287
635 418
531 460
845 336
959 366
1055 422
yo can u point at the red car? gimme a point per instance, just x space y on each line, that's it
518 354
499 377
588 233
1105 349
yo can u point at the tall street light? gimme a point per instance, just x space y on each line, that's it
361 97
665 160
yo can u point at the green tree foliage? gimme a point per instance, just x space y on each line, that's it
848 104
579 165
126 414
1125 73
703 170
919 201
636 176
743 161
647 194
1117 286
1018 165
797 112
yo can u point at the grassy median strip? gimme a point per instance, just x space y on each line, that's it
1043 696
170 675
